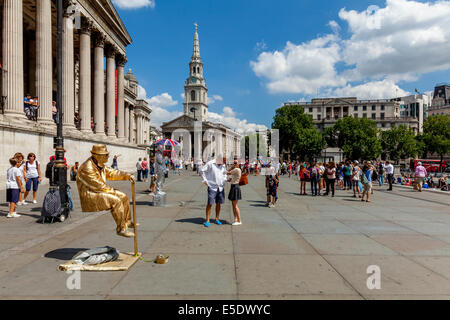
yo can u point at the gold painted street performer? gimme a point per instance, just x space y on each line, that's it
96 195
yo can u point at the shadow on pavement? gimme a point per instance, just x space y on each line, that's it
258 205
144 203
192 220
64 254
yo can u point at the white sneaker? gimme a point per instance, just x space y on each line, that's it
236 223
34 201
24 202
13 215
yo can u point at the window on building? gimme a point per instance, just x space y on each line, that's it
364 115
319 117
364 108
355 108
374 108
383 125
374 116
355 115
310 110
382 116
192 95
319 109
382 107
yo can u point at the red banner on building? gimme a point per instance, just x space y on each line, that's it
115 85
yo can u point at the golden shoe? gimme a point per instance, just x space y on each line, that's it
131 225
126 233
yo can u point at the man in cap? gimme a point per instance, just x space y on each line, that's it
96 195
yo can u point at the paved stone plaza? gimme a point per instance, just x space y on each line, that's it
305 248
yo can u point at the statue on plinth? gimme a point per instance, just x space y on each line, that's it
96 195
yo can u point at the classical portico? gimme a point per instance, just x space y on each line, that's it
99 101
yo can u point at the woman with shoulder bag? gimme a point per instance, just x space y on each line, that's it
235 192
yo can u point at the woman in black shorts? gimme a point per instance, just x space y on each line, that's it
235 192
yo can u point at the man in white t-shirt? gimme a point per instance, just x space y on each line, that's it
214 176
390 173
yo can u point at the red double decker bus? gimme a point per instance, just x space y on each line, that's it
430 165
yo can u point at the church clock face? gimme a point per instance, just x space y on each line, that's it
193 80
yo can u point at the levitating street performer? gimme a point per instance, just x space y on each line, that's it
160 168
96 195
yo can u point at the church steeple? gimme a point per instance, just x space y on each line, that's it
195 91
196 51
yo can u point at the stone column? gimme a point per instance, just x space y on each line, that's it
138 129
132 121
127 123
68 79
44 67
13 57
111 91
99 84
85 75
121 122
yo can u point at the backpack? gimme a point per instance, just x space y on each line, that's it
26 164
314 174
52 204
49 170
364 179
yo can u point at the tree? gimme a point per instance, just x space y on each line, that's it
297 133
436 135
399 143
357 137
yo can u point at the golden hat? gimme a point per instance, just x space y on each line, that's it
99 149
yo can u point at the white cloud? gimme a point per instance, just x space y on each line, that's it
229 118
159 103
260 46
370 90
301 68
162 100
398 42
214 98
134 4
403 39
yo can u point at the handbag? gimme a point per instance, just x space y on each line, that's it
244 179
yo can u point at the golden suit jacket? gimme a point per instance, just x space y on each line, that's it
95 194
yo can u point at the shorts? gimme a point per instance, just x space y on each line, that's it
367 187
34 181
272 191
355 183
152 180
217 196
12 195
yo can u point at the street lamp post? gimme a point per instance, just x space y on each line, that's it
59 168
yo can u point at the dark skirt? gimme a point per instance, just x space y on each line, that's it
235 192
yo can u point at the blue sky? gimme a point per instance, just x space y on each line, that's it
261 53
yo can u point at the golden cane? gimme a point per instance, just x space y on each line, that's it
134 219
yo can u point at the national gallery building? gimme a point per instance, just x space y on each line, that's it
100 103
